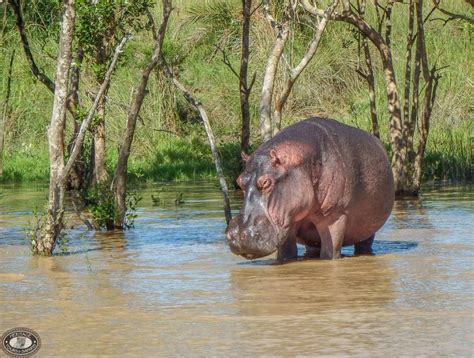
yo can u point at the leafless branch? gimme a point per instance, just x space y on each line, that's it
41 76
252 82
268 87
226 61
452 15
119 181
256 8
6 110
308 56
313 10
368 74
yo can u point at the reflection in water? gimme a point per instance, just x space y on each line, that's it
171 287
312 286
410 213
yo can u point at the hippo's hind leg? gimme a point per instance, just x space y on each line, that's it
364 247
312 252
332 237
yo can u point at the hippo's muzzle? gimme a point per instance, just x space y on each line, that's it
251 241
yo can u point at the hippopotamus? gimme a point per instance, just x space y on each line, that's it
319 183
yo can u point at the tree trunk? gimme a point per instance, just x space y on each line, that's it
431 80
369 77
6 110
244 88
99 171
44 243
371 85
79 140
408 122
424 126
119 184
75 179
397 139
217 162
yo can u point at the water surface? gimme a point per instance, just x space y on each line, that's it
171 287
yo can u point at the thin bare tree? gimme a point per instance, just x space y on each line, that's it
282 30
6 110
20 25
243 74
119 183
245 88
272 103
77 178
367 73
431 78
191 99
73 105
282 97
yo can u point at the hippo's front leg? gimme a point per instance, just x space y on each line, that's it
288 250
332 236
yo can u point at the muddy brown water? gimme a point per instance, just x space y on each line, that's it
171 287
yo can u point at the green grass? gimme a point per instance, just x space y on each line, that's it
25 166
328 87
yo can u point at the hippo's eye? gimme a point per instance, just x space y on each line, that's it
264 183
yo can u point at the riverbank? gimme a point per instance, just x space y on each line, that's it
448 157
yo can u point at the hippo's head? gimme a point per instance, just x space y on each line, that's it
278 191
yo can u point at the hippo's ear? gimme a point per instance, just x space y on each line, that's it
275 158
245 156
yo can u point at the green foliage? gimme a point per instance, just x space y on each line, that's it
99 200
45 15
108 20
132 198
101 25
35 227
218 22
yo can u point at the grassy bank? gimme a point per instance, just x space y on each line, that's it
170 143
447 158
